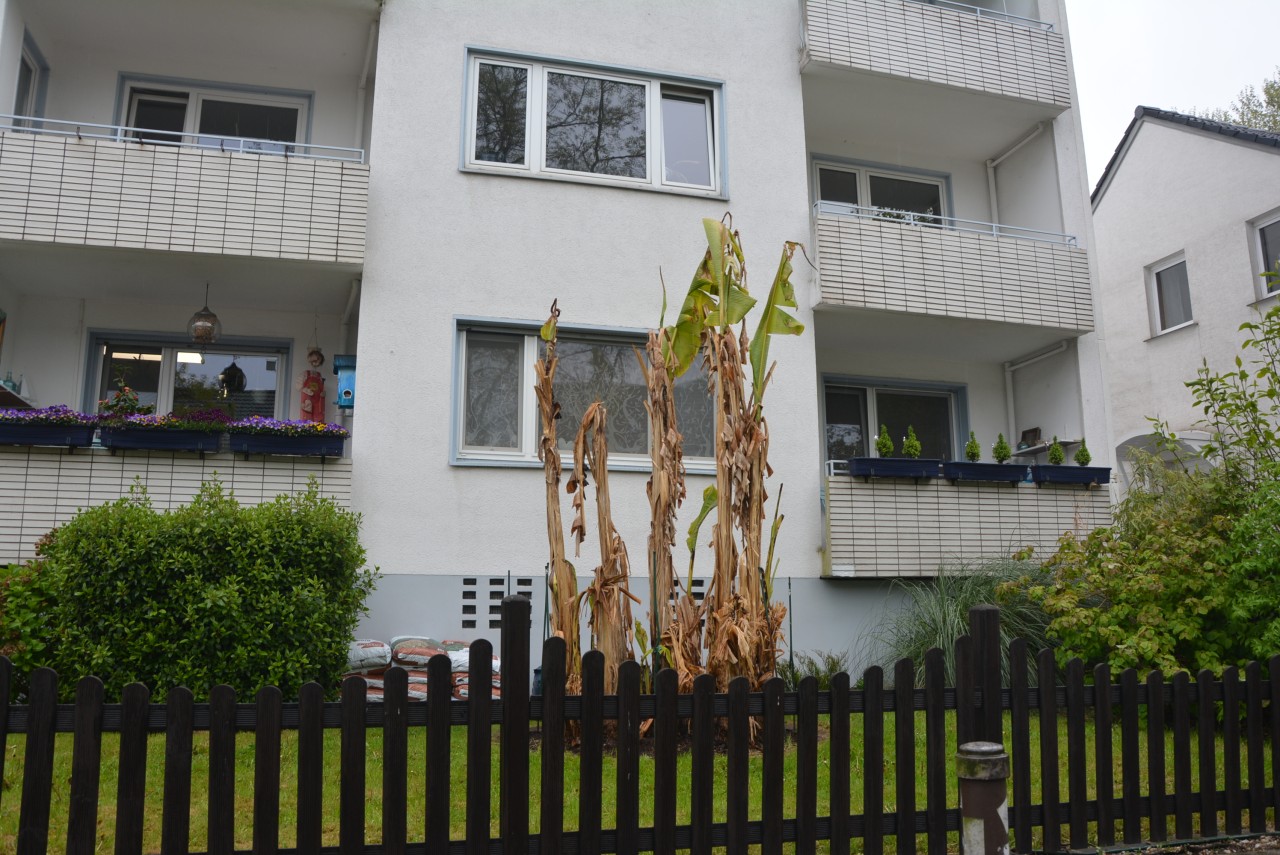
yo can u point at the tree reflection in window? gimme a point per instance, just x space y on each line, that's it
596 125
493 391
500 113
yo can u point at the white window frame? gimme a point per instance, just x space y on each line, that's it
1260 261
656 87
169 351
1153 293
864 175
196 95
871 388
25 104
530 429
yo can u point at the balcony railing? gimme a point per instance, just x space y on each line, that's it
890 527
934 221
173 139
989 13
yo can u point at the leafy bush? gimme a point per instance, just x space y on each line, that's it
911 445
821 664
936 612
1056 454
1082 457
1001 451
972 451
884 445
209 593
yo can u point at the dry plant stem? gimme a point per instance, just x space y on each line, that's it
666 486
608 596
563 579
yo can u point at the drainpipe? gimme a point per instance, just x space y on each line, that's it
361 89
344 331
996 161
1009 368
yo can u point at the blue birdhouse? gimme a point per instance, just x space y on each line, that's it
344 365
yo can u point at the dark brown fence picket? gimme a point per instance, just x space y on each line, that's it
1249 714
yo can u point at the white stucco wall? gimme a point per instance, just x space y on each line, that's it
11 29
1179 190
445 243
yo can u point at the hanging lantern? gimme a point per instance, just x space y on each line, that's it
204 326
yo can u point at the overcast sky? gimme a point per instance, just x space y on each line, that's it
1172 54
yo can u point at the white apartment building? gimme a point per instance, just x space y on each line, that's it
414 182
1188 218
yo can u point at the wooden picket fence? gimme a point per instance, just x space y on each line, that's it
1196 714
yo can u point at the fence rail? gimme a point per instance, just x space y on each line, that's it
701 723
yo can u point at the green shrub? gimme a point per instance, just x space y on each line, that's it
936 612
911 445
972 451
884 445
1001 451
821 664
209 593
1056 453
1082 457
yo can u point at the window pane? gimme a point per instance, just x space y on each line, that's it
846 423
199 379
695 412
839 186
501 102
24 103
593 371
595 125
493 390
1270 235
686 140
901 194
258 121
1173 295
930 415
164 116
133 366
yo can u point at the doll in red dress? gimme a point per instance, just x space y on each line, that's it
312 408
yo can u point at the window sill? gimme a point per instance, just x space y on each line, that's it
594 182
699 467
1164 333
1267 300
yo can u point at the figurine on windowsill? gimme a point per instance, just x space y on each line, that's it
312 407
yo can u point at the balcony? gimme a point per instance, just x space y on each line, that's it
951 44
929 265
44 487
90 184
893 527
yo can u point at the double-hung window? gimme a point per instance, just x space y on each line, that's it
551 120
1170 295
216 118
498 420
179 378
873 192
855 412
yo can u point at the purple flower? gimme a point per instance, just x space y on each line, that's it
58 414
291 427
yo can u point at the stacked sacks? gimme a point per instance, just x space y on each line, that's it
413 652
368 659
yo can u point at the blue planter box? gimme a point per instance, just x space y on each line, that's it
65 435
963 470
301 446
894 467
1085 475
162 440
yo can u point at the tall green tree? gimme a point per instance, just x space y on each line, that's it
1251 108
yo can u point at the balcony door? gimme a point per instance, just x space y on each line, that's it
213 119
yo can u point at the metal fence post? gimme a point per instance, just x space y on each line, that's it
983 769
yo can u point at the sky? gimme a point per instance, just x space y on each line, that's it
1172 54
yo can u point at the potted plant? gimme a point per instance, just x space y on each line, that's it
56 425
1082 473
909 465
195 431
973 470
258 435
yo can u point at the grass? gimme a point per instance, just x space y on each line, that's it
11 785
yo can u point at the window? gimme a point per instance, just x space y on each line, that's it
214 118
854 415
499 421
1269 247
178 378
28 99
865 191
536 118
1170 296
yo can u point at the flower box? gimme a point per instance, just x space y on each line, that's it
163 439
894 467
73 436
962 470
301 446
1084 475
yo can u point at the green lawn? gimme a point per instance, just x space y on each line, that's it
10 795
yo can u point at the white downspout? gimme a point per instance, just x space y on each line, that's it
1009 368
996 161
362 88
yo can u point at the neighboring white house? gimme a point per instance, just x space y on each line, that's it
1187 216
928 155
